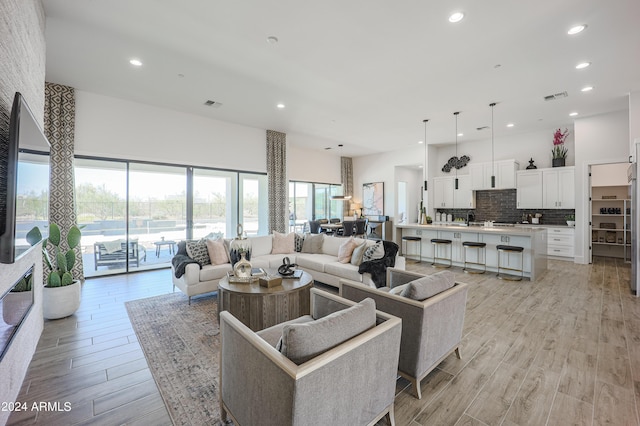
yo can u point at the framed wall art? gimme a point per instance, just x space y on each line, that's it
373 199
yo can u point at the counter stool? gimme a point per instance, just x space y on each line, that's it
437 243
511 249
481 247
406 240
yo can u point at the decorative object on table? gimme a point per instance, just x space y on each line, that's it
255 273
373 199
239 244
62 292
531 166
571 220
270 281
429 220
242 268
287 268
559 151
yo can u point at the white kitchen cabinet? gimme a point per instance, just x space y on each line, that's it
529 189
560 241
445 196
505 173
443 192
558 188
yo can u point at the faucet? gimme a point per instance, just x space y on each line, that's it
471 217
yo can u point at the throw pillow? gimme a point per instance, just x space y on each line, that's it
346 250
302 342
283 243
358 253
299 240
430 285
197 250
218 253
398 289
313 243
374 252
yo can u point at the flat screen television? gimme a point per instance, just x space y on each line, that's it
24 134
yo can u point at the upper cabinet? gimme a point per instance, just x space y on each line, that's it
445 196
558 188
529 189
505 173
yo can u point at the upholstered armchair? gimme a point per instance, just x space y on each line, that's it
351 383
431 328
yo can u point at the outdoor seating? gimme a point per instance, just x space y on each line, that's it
114 253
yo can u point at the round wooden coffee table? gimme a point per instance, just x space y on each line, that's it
260 307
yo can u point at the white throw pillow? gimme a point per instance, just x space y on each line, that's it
218 253
283 243
374 252
346 250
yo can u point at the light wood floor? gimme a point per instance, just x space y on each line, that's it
564 350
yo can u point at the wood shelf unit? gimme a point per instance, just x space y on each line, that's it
610 220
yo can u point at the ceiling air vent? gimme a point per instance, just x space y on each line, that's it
556 96
482 128
213 104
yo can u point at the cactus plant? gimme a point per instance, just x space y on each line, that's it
59 263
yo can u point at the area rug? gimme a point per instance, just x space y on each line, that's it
181 343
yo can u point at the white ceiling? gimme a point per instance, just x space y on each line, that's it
362 73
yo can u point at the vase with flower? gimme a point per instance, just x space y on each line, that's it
559 151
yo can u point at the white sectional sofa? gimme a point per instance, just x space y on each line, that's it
323 267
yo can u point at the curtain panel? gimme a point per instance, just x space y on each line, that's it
277 181
59 127
346 178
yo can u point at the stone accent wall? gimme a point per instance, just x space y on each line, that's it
500 205
22 69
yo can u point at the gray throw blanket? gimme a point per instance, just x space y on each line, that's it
378 268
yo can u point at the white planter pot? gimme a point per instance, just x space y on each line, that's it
61 302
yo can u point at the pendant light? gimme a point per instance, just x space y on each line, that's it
424 168
455 184
343 197
493 163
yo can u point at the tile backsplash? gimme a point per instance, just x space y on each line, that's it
500 206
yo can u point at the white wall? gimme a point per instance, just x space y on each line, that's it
634 121
599 139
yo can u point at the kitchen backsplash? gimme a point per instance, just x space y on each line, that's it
500 206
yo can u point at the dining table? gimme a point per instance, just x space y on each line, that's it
333 227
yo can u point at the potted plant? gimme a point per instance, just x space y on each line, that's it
571 220
61 293
429 220
559 151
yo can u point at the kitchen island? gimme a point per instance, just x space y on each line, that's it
533 240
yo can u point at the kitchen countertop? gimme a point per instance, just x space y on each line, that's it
526 230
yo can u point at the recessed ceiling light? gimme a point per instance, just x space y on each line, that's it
582 65
510 125
272 39
586 89
456 17
135 62
421 142
460 134
577 29
573 114
280 106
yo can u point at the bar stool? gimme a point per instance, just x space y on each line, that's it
406 240
511 249
481 247
437 243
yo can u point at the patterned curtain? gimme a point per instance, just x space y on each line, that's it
277 181
59 126
346 177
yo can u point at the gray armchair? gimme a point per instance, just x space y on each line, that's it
353 383
431 328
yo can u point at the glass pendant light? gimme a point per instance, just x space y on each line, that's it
493 163
455 184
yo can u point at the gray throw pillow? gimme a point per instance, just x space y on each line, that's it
374 252
428 286
313 243
302 342
197 250
358 253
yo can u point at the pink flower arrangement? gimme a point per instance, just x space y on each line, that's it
559 150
